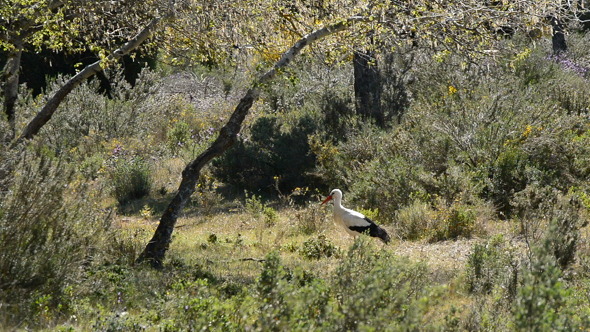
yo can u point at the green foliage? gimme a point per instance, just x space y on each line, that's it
271 291
259 210
87 119
563 233
271 151
377 290
547 215
131 179
414 221
540 304
178 136
48 231
316 248
91 166
387 183
421 220
367 291
455 222
492 265
506 177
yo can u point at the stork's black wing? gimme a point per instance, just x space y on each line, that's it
372 230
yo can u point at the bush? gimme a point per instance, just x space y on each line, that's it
377 290
563 233
540 304
311 219
178 136
131 179
252 164
457 221
492 265
543 157
257 209
87 118
387 184
368 290
317 248
414 221
48 231
547 215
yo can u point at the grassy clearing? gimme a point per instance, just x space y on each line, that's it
225 255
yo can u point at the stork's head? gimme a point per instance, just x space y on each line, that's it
335 194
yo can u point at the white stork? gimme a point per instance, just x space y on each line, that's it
354 222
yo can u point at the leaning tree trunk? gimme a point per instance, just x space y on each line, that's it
10 77
155 251
56 99
367 87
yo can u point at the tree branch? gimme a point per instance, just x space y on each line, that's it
56 99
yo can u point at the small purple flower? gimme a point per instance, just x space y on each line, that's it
117 150
569 64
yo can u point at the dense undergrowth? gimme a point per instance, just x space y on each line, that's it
497 151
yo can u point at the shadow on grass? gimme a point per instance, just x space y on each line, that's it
193 208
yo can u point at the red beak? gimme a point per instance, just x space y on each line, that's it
327 199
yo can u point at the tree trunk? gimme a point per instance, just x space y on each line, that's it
155 251
53 103
367 87
558 37
10 78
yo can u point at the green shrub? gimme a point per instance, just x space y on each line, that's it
548 215
414 221
368 290
316 248
259 210
91 166
253 164
457 221
273 291
131 179
540 304
506 177
563 233
492 265
50 226
88 117
178 136
376 290
387 184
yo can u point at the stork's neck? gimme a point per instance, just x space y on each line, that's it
337 202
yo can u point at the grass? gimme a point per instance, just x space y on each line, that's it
220 262
217 261
229 250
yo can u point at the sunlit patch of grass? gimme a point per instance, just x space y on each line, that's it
166 175
234 244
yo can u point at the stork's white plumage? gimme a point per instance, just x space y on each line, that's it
354 222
